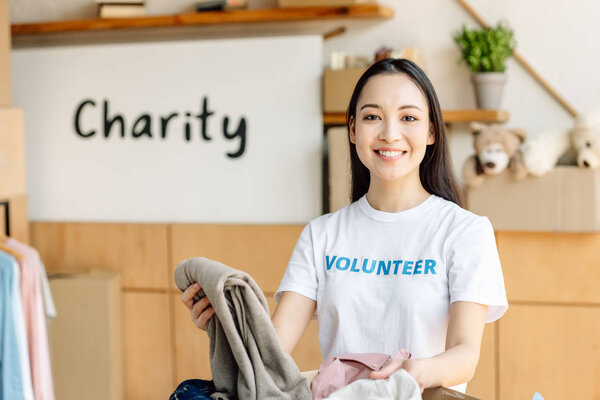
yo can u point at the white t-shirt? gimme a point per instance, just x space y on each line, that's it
385 281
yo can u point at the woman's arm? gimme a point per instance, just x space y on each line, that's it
457 364
291 317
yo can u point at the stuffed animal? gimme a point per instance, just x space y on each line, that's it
579 145
496 148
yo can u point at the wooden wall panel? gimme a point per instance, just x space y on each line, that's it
147 355
137 251
483 384
261 250
551 267
553 350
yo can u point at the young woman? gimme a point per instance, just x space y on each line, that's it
404 265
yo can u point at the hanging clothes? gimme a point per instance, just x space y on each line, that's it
15 373
49 307
35 320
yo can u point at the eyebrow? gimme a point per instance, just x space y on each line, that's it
399 108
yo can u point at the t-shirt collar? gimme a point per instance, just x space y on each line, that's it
384 216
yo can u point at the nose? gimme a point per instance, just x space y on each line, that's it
390 132
586 164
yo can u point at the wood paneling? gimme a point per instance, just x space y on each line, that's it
137 251
483 384
546 342
550 267
553 350
148 358
261 250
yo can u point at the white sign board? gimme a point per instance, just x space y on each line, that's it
221 131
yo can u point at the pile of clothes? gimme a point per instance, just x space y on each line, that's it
246 357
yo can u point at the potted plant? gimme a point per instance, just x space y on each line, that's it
485 51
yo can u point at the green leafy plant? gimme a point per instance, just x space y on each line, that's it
486 49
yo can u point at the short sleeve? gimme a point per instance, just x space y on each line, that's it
475 273
300 275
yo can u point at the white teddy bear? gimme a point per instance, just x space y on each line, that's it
580 145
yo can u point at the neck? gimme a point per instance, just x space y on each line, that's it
396 196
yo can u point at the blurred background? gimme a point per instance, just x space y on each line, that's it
139 133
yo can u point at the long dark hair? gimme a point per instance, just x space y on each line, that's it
435 172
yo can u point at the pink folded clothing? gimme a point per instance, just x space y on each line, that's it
339 371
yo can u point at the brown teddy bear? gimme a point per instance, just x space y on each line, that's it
496 148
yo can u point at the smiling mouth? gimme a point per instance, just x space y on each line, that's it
385 154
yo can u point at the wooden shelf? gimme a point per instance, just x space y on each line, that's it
450 116
479 115
209 18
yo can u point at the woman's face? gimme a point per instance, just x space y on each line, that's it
392 128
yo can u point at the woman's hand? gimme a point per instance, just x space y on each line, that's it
201 311
415 367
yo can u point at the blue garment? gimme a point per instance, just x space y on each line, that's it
11 312
193 389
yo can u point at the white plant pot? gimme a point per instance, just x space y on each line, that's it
489 87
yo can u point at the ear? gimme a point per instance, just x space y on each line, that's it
351 131
431 136
520 133
477 127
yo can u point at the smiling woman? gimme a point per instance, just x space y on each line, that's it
404 266
391 129
394 109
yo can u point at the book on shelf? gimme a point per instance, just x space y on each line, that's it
220 5
323 3
119 2
121 10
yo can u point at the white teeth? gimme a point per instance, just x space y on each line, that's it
390 153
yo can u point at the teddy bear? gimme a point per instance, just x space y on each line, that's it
579 145
496 149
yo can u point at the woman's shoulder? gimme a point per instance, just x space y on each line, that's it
459 217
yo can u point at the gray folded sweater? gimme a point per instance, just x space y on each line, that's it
246 357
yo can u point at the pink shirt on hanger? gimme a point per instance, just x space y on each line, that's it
35 321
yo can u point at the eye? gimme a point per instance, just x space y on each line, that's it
371 117
588 144
409 118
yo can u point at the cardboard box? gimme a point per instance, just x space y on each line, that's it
567 199
86 336
12 153
5 92
338 86
442 393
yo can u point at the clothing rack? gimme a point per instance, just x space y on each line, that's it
6 205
